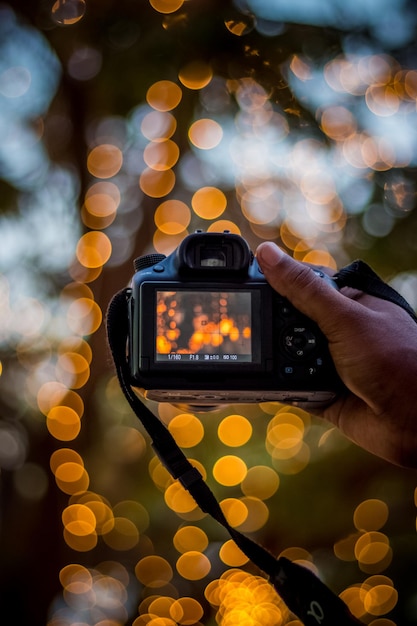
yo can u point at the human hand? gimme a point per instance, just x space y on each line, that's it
373 344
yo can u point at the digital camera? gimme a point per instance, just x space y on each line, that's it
205 328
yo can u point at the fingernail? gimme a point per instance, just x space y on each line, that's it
268 254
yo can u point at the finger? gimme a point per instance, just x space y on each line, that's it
352 417
323 268
296 281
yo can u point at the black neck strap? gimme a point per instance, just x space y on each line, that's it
303 592
360 276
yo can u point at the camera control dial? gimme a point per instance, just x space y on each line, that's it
299 341
147 260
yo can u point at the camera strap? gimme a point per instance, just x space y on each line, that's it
359 275
301 590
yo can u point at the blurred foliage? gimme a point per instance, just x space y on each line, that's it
316 115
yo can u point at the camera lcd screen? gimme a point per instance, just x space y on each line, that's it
204 326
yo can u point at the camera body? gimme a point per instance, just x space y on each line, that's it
205 328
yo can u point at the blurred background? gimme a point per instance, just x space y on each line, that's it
126 125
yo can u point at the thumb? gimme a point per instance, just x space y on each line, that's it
297 282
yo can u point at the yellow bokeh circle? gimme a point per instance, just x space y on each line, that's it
178 499
221 225
172 217
93 249
195 75
261 482
164 95
153 571
232 555
79 519
72 478
186 429
157 184
234 510
229 470
205 134
161 156
166 6
209 202
193 565
63 423
234 430
370 515
186 611
104 161
190 538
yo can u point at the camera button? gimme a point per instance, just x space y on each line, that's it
286 310
158 268
299 341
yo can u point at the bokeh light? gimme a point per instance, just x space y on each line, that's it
193 565
190 538
161 155
164 95
195 75
172 217
157 184
63 423
94 249
234 430
166 6
68 12
104 161
260 481
209 202
229 470
187 430
371 515
262 123
205 134
71 477
240 594
179 500
153 571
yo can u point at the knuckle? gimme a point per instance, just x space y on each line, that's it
301 276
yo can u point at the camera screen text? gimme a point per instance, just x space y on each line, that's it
204 326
